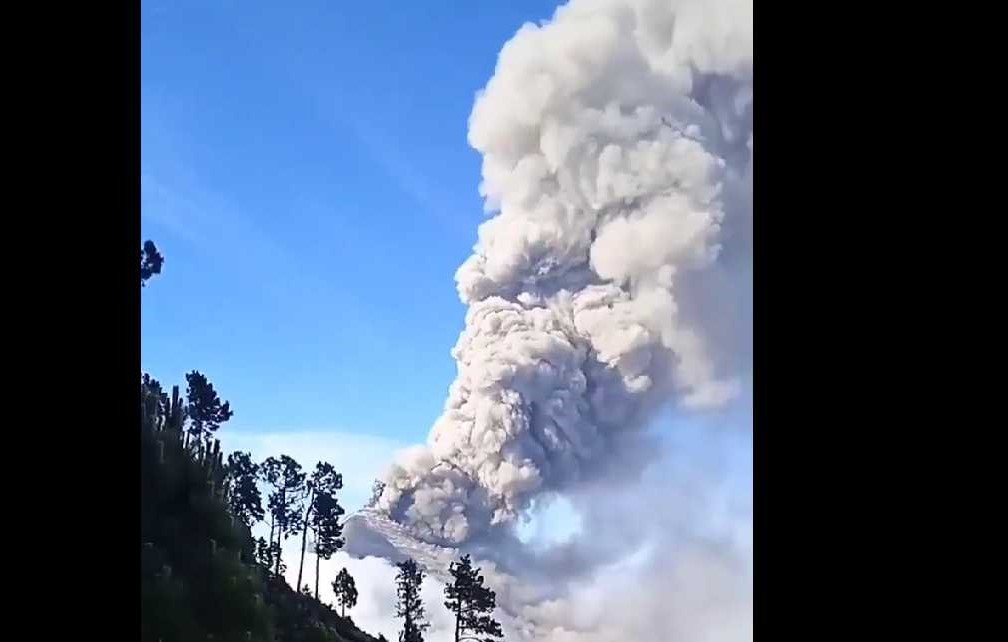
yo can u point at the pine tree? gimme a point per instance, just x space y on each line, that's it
410 607
328 531
264 553
472 603
244 498
150 262
288 482
346 591
269 471
205 411
319 510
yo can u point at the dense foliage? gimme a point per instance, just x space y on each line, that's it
472 603
200 574
345 590
195 573
410 607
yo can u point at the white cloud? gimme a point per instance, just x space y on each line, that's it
666 560
360 458
376 588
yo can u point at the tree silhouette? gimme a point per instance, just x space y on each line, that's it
410 607
472 603
244 498
150 262
154 403
269 471
346 591
264 553
205 410
328 531
320 507
288 481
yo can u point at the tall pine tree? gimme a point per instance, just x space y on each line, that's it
205 411
269 471
328 532
241 475
320 508
346 591
410 607
288 481
472 603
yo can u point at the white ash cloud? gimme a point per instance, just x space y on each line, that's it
683 570
615 273
665 559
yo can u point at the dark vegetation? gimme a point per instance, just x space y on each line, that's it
345 590
410 607
472 603
204 577
150 262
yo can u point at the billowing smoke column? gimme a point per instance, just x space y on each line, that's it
617 156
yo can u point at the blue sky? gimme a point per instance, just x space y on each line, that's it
305 172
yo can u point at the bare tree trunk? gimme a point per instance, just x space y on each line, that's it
279 538
272 526
458 618
283 507
316 572
278 547
304 536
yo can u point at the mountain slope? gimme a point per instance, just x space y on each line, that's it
199 578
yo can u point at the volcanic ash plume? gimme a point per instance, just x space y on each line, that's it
617 158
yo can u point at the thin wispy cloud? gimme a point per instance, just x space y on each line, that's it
408 176
215 228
